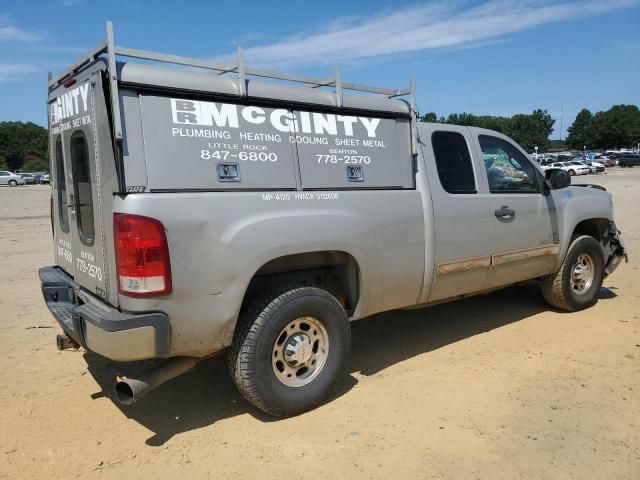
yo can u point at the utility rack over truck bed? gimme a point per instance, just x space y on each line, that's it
109 51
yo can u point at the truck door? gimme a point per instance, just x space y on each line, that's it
461 236
78 218
524 239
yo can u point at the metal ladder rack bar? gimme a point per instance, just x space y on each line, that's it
414 118
254 72
338 84
113 84
241 73
389 92
220 68
78 64
174 59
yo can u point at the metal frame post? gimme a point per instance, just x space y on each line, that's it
241 73
113 86
338 86
414 118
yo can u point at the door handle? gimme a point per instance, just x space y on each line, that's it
505 213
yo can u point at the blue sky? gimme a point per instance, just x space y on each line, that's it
497 57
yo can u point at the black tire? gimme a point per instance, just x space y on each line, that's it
261 324
572 172
557 288
13 183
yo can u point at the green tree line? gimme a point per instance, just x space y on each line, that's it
527 130
618 127
23 147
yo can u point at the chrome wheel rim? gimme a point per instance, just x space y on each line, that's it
300 352
582 274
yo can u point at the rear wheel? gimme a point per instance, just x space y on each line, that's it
291 347
13 183
576 284
572 172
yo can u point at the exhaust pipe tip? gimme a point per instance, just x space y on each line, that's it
125 394
130 390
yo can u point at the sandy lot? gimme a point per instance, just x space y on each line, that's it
492 387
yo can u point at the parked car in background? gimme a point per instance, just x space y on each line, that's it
578 164
614 159
606 160
596 167
29 178
44 179
546 160
37 176
611 162
629 160
570 168
11 179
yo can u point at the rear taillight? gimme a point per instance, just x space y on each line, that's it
142 256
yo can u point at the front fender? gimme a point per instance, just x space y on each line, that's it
575 205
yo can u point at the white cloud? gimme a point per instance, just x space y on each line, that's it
71 3
454 24
13 71
10 32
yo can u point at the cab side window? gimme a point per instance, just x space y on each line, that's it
453 162
508 170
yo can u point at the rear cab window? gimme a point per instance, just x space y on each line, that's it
453 161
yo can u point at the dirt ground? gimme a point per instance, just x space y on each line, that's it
493 387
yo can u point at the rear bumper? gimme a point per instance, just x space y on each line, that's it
98 326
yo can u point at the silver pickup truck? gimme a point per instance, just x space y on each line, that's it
200 212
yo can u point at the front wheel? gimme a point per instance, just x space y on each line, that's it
576 285
13 183
290 349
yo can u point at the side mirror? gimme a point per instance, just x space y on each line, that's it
556 178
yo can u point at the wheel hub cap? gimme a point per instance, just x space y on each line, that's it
582 274
297 349
300 351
